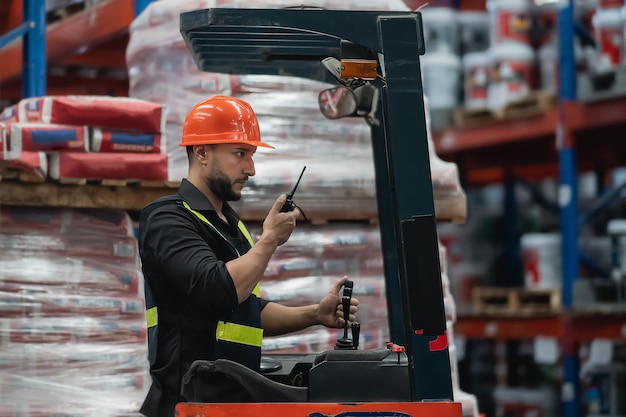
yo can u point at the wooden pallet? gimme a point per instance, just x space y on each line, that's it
537 102
119 183
14 175
134 195
515 301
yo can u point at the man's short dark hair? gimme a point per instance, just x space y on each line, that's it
190 153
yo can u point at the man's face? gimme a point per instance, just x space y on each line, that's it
230 167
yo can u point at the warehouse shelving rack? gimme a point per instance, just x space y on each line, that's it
94 37
561 142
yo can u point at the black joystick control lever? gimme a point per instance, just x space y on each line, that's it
345 343
356 331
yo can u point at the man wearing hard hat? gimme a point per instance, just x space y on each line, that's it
202 268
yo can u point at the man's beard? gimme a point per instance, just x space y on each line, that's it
221 186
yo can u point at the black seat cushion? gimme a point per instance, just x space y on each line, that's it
199 384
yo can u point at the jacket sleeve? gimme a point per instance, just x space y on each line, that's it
177 260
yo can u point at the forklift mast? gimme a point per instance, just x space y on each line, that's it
294 42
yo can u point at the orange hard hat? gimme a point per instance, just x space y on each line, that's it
222 119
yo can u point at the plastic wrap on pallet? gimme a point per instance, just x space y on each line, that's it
72 321
63 220
337 153
109 166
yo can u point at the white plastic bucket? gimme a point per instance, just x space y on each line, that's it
542 260
549 66
440 29
510 20
608 27
474 34
441 72
475 79
511 67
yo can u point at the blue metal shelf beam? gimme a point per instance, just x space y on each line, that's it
34 49
568 202
14 34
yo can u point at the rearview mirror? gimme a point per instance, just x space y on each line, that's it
337 102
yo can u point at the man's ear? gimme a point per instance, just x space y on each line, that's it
200 152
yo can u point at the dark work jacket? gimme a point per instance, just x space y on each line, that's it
183 262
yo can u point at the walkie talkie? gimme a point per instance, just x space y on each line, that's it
289 204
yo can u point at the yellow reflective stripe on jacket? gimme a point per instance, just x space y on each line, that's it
245 232
204 219
240 225
152 317
239 333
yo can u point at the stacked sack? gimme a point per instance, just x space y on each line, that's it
337 153
72 326
84 137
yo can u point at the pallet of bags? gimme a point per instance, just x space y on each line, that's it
71 293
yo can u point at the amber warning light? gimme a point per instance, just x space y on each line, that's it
358 68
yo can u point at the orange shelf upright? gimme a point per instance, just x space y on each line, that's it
582 117
98 23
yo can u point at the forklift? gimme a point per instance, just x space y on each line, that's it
373 57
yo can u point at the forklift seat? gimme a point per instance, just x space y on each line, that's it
260 388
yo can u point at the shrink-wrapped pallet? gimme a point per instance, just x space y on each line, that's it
72 321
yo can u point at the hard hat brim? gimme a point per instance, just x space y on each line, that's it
205 141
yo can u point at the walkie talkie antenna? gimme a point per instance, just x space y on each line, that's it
289 204
293 191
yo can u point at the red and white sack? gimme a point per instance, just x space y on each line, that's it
42 137
107 140
122 113
8 148
33 163
3 141
109 166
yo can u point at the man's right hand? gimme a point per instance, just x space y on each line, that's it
280 225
